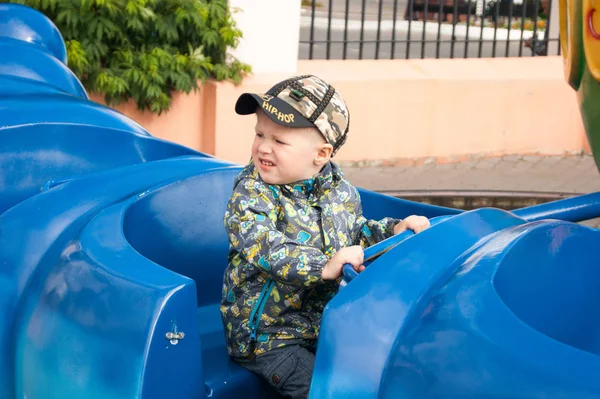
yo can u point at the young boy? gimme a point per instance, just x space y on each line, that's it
293 221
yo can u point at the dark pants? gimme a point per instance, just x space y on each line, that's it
288 369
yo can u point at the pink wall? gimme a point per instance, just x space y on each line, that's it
403 109
183 123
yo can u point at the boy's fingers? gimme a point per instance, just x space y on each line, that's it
423 227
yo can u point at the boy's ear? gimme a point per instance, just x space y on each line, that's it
323 154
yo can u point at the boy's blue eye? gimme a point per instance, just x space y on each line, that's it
279 142
259 135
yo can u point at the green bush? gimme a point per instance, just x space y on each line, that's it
145 49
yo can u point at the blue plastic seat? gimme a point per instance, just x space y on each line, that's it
47 267
35 63
180 227
482 316
556 292
32 155
28 25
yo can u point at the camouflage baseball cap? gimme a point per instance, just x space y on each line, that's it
302 101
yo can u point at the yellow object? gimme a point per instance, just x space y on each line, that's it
570 39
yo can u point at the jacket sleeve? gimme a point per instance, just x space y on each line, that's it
250 221
367 232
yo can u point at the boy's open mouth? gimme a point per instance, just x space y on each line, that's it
266 163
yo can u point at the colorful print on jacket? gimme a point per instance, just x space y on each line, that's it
281 237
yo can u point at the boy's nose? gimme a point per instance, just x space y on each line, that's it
264 147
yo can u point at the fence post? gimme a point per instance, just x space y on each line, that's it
271 34
554 29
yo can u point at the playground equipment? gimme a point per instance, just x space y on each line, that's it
112 251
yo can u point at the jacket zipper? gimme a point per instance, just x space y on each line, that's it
257 311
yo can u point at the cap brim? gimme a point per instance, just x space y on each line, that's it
275 108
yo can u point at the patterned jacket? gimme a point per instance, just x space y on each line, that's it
281 237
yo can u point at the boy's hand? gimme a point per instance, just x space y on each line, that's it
353 255
412 222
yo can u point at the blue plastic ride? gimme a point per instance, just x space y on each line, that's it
112 252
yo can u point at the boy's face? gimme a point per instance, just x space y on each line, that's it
284 155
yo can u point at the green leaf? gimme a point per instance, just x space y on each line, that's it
211 38
78 61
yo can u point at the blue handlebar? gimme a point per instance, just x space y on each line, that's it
348 273
374 251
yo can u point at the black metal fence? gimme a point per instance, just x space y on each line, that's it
391 29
